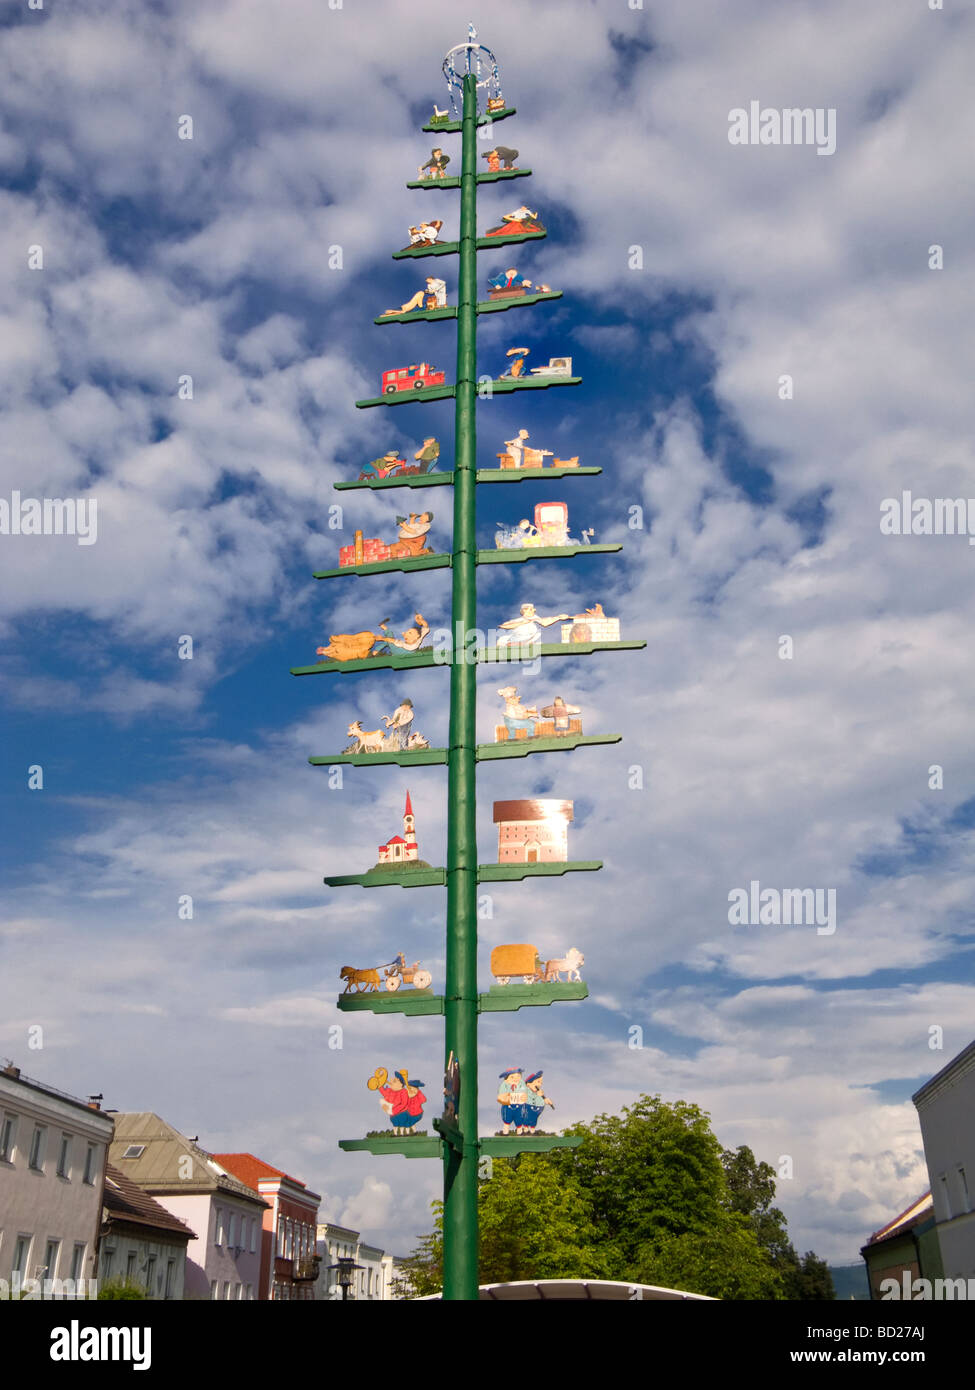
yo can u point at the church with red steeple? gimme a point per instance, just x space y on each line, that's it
403 848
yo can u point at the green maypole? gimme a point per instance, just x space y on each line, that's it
468 68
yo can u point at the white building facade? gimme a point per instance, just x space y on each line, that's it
53 1151
946 1110
372 1281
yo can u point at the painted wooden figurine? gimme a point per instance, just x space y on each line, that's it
424 234
550 528
556 366
356 646
369 550
439 117
501 157
401 1099
437 165
518 453
397 737
522 960
432 296
591 626
392 464
526 629
395 974
527 721
533 831
511 284
402 849
451 1090
412 378
518 220
522 1100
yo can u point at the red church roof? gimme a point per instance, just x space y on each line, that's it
409 805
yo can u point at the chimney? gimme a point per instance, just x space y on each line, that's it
11 1070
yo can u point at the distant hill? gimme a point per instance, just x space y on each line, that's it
850 1281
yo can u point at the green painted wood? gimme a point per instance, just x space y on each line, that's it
396 878
529 653
402 1001
451 1135
415 1146
532 383
420 757
460 1164
488 177
498 306
452 127
540 552
502 999
504 1145
485 243
405 661
415 253
416 480
521 747
514 873
406 565
417 315
452 248
425 393
518 475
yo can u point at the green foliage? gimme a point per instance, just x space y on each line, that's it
726 1262
122 1289
648 1197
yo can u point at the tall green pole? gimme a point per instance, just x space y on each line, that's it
460 1007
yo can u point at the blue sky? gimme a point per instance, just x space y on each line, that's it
164 777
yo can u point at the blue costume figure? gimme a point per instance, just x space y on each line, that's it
537 1102
507 280
510 1091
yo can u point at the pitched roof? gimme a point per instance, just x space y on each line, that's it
162 1166
919 1209
532 810
409 805
126 1201
251 1169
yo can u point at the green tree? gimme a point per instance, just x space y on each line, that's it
807 1279
122 1288
726 1262
751 1187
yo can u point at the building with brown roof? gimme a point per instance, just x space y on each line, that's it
907 1244
140 1241
289 1261
533 832
223 1259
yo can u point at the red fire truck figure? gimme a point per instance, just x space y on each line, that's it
411 378
551 528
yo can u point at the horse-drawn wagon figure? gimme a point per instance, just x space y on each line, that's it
391 976
516 959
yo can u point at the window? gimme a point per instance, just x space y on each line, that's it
51 1259
78 1261
253 1235
945 1196
237 1292
250 1293
21 1254
134 1151
36 1160
64 1154
89 1177
8 1132
105 1263
151 1274
218 1236
966 1200
280 1249
231 1228
213 1289
130 1265
226 1290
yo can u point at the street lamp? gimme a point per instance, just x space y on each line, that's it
346 1267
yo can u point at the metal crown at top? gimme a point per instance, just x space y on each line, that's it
469 58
